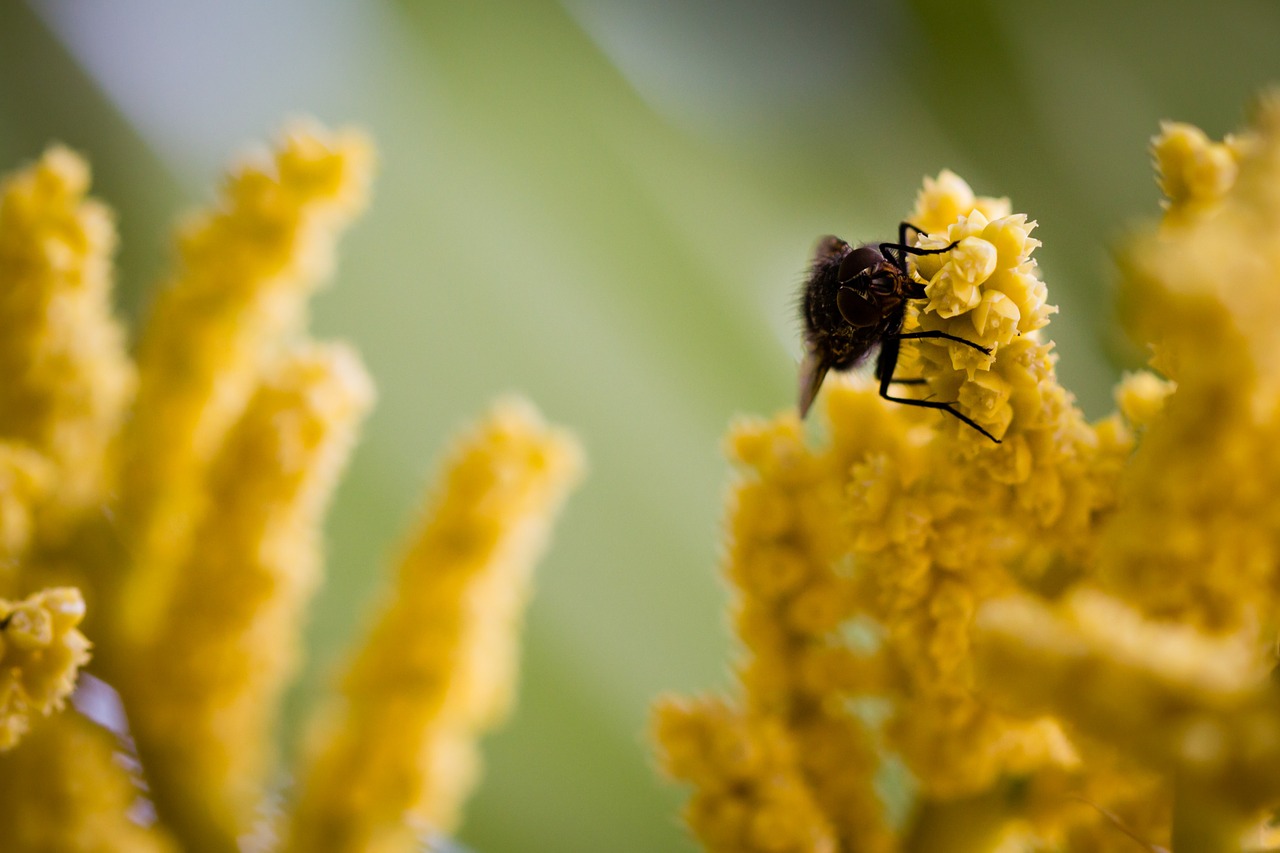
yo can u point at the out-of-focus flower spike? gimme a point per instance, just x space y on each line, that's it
206 687
246 269
1198 709
66 377
1194 539
396 756
66 788
40 654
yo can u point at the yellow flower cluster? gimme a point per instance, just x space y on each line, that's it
784 560
751 793
985 290
859 566
190 519
1065 639
40 653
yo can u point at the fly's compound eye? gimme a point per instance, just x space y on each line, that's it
857 261
856 309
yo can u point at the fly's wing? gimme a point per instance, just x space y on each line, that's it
829 247
812 371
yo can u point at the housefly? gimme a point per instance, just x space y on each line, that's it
855 301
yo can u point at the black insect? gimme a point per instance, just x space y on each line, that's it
856 300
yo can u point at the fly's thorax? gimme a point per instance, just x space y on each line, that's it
853 297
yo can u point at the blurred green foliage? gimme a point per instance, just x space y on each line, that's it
607 206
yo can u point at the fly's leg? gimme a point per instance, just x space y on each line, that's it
917 336
888 361
897 252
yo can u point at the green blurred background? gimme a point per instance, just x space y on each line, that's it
607 206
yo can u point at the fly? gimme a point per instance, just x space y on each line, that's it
854 301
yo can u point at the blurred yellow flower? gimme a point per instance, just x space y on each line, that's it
181 495
1061 642
41 652
439 666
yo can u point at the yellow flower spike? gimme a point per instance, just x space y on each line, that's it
41 653
66 376
246 269
204 691
789 637
65 788
1195 539
786 509
397 754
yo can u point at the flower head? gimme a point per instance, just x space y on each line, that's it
1067 638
